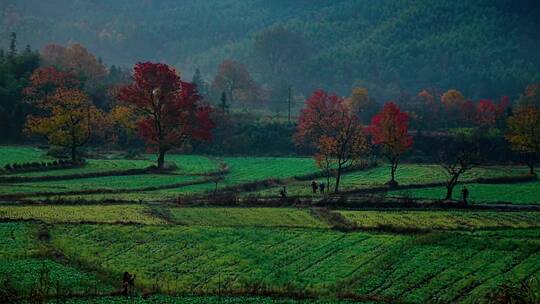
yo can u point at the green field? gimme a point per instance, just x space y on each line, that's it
407 174
22 267
20 154
76 214
518 193
246 217
442 220
412 268
190 254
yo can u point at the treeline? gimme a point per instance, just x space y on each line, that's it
487 48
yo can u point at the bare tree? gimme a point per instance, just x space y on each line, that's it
458 155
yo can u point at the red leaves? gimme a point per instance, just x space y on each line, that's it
170 110
45 81
389 129
320 117
486 113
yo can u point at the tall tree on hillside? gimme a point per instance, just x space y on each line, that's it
524 133
68 119
202 85
170 110
452 101
328 125
389 130
234 79
282 51
15 69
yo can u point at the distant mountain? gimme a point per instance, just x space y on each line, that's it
486 48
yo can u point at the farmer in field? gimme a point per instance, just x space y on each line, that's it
465 194
314 186
321 187
128 282
283 192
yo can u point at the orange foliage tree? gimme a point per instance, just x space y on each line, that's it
524 132
69 119
328 125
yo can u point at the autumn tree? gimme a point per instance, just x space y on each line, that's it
389 130
361 104
452 102
486 113
169 109
524 132
68 119
77 59
234 79
457 155
45 81
328 125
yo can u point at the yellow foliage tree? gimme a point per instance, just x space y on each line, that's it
524 132
68 120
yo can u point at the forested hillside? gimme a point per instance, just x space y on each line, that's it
485 48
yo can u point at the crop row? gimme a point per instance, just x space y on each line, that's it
443 220
516 193
420 268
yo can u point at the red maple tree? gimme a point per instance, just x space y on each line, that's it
486 113
389 130
170 112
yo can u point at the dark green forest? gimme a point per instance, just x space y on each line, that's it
485 48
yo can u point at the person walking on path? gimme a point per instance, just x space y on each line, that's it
283 192
465 194
321 187
314 186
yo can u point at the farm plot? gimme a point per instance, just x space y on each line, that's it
242 170
241 217
160 299
415 268
93 166
76 214
442 220
519 193
407 174
21 154
132 182
23 270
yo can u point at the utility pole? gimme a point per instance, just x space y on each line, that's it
289 102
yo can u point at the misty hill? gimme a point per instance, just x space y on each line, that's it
484 48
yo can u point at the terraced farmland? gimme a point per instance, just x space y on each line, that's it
517 193
23 269
246 217
407 174
442 220
21 154
76 214
412 268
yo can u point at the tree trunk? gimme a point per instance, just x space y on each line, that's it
393 169
449 190
73 153
338 178
161 159
531 168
